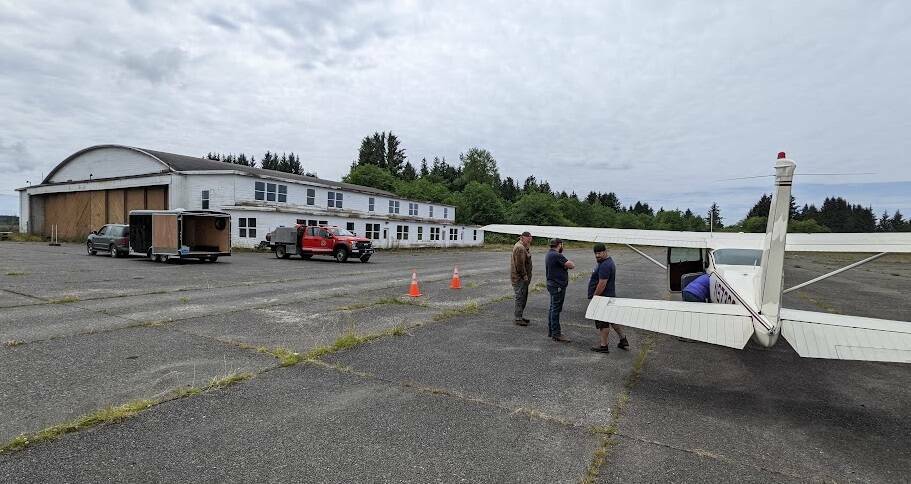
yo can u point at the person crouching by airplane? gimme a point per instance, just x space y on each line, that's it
603 282
697 290
520 273
556 266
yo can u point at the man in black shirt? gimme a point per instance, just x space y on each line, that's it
556 267
603 282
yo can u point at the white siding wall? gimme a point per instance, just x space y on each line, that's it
24 211
266 221
107 163
220 187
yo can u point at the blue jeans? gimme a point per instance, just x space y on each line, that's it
557 294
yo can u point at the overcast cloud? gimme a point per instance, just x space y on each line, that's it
653 100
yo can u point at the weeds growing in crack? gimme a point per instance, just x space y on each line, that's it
16 273
380 302
285 356
12 343
65 300
471 307
607 433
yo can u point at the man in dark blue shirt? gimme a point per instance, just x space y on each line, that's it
603 282
556 267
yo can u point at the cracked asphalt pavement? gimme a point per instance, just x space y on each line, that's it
451 391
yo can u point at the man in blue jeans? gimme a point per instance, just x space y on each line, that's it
556 267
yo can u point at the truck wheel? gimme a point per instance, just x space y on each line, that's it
213 258
280 252
341 254
113 250
89 249
365 259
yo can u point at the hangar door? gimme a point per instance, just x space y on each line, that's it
78 213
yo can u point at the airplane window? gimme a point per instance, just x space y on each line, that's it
738 257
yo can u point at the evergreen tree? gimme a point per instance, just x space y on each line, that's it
762 207
424 170
714 216
899 224
395 155
480 166
509 190
409 173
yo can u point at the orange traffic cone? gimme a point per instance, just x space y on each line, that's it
414 291
456 281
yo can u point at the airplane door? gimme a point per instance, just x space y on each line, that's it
681 261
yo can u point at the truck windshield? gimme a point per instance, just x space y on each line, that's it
342 232
738 257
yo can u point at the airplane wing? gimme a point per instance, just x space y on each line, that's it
722 324
835 336
859 242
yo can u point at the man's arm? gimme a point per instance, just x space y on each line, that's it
518 261
569 264
602 285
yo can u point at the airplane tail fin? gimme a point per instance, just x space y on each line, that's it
774 246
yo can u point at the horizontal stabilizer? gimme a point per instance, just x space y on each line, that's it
722 324
835 336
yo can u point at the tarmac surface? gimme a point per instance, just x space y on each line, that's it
441 388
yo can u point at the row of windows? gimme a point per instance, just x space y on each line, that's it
246 227
272 192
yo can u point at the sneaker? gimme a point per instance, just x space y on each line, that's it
623 344
520 322
560 338
601 349
526 320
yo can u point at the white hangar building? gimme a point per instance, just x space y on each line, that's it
101 184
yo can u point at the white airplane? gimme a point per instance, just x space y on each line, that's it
746 272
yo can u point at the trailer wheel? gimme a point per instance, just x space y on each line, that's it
213 258
280 252
149 254
89 249
341 254
158 258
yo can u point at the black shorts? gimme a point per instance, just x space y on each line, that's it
602 324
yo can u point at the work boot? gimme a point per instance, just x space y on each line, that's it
623 344
601 349
560 338
521 322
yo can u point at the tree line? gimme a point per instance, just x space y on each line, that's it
482 196
287 162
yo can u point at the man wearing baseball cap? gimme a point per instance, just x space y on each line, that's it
520 274
557 266
603 283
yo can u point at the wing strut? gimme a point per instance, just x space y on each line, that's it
835 272
643 254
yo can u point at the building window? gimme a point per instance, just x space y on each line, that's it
430 214
453 234
401 232
371 204
372 231
260 191
393 206
445 212
271 189
420 233
474 235
246 227
350 226
412 209
334 200
205 199
311 196
434 233
283 193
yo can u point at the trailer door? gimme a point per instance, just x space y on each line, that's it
164 233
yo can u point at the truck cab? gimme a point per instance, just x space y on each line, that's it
308 241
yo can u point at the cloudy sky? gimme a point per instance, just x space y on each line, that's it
659 101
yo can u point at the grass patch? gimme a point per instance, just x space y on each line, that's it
103 416
379 302
16 273
184 299
471 307
12 343
65 300
285 356
20 237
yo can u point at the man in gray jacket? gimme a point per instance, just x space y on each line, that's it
520 274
